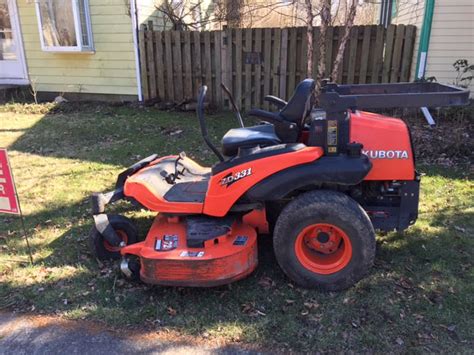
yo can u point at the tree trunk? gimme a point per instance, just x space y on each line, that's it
325 23
342 44
309 37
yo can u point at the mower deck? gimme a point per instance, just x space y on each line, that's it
175 253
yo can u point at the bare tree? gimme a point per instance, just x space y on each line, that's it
326 12
342 43
309 34
325 15
232 13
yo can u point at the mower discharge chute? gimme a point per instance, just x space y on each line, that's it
322 179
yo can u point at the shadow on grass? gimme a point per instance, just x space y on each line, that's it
118 135
417 297
420 286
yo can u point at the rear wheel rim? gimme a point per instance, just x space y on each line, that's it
323 248
113 249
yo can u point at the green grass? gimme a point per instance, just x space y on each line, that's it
418 297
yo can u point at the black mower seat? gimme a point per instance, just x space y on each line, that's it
262 135
289 120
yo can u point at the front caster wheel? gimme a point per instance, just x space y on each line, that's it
324 240
124 228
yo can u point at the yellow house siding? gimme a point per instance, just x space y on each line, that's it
411 12
452 38
110 70
452 35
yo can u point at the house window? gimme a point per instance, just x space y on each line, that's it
64 25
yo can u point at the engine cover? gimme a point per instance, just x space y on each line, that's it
387 143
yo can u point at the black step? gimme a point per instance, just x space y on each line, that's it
203 228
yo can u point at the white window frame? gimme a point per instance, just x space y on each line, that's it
80 47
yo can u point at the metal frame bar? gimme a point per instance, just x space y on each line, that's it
336 98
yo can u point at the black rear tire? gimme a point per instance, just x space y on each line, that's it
330 208
124 228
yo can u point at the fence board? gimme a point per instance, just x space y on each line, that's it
267 62
354 40
196 61
397 53
316 38
258 62
387 63
218 67
160 68
258 69
229 61
248 71
292 56
407 52
364 55
276 57
378 54
188 76
304 55
169 67
150 58
238 66
178 66
329 54
208 63
284 62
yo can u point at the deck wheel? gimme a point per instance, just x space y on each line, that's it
124 228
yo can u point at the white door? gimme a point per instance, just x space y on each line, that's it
12 62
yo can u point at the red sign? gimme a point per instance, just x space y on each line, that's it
8 199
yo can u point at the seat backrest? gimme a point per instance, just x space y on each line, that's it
300 103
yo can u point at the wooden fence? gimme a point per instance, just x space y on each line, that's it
262 61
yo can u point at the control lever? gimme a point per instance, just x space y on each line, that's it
172 177
234 106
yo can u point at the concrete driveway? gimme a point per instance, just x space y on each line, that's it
22 334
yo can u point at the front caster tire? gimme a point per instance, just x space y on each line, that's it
324 240
124 228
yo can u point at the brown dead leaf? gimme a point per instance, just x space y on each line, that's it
250 309
171 311
266 282
311 304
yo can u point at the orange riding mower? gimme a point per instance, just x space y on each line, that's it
320 180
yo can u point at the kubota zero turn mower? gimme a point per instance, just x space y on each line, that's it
320 179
